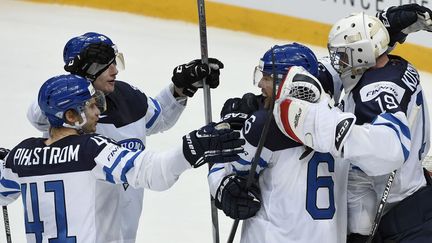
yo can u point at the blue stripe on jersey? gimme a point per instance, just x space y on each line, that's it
108 171
404 129
241 172
129 164
155 115
5 194
397 126
419 102
10 184
261 163
215 169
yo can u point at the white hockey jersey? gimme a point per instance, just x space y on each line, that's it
381 98
130 117
303 200
66 186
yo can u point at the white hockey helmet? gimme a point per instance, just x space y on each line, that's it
354 44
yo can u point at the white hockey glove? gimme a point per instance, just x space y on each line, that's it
403 20
316 125
300 84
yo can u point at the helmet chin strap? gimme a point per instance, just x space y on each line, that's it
77 125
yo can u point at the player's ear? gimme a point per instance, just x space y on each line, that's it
71 117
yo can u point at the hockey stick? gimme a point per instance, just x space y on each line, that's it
207 104
6 224
381 206
260 146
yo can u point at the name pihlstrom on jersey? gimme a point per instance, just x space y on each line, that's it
46 155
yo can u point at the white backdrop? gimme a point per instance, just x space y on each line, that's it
32 40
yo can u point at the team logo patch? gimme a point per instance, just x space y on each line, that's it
371 91
133 144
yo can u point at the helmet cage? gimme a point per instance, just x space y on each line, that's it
354 57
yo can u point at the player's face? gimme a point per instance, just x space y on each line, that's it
266 85
92 113
105 81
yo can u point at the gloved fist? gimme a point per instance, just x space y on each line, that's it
3 153
235 200
189 76
92 60
213 143
236 111
405 19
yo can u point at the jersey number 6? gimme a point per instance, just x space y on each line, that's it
315 183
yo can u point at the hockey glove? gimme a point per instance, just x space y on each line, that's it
300 84
189 76
235 200
92 61
212 143
405 19
236 111
3 153
316 125
302 113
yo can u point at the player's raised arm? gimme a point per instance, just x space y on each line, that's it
328 129
400 21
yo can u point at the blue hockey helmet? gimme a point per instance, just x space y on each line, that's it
75 45
62 93
286 56
103 53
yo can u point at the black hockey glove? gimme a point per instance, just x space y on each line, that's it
405 19
236 111
3 153
213 143
357 238
235 201
92 61
189 76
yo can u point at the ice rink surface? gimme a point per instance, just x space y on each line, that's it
32 40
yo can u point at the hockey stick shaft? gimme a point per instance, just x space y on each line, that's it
207 104
6 225
381 206
260 146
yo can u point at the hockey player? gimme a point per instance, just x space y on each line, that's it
391 130
64 180
238 203
300 195
131 115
